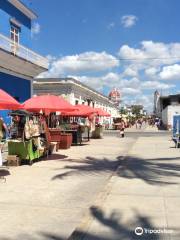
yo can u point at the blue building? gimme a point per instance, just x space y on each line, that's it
18 64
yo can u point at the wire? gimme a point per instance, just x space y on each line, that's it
153 58
118 59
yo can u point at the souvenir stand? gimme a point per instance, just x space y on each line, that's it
7 102
28 140
81 123
50 104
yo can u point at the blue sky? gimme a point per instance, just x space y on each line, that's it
87 39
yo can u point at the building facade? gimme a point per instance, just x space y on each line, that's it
76 93
166 107
18 64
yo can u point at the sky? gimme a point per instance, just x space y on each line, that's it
131 45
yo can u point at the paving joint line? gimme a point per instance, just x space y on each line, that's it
80 231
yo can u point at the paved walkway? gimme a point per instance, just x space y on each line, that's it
77 194
145 193
48 200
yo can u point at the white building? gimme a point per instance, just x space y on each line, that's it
76 93
166 107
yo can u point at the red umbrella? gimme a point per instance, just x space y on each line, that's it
82 111
102 113
7 102
47 104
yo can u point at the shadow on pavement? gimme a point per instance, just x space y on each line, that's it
90 165
110 227
153 171
55 157
158 171
113 229
4 172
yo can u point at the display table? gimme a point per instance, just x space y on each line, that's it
24 150
76 135
97 133
55 136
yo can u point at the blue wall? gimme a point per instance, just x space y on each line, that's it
15 86
8 11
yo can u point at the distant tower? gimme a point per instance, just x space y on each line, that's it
115 97
156 102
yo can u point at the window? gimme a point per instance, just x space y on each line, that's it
76 102
14 32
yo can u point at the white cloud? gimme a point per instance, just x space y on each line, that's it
145 100
128 20
130 91
151 71
170 72
84 62
155 85
150 54
35 29
110 25
141 72
130 72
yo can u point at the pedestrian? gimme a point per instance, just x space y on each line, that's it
3 129
122 127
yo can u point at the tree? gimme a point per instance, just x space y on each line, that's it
136 110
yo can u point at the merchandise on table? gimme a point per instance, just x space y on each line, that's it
28 136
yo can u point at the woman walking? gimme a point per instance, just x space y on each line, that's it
122 127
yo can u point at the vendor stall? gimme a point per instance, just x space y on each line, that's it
28 136
25 150
7 102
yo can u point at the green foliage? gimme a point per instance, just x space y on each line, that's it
136 110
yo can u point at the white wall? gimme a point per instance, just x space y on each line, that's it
168 113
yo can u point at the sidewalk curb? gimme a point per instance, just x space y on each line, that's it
81 230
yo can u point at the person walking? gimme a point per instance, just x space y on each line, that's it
122 127
3 129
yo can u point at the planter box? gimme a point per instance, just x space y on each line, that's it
55 136
66 140
97 133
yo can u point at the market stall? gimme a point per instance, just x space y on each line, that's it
83 119
28 137
50 105
7 102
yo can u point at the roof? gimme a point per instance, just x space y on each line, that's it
67 80
23 8
171 96
70 80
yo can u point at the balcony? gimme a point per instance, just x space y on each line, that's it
16 57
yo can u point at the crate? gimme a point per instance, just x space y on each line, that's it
13 160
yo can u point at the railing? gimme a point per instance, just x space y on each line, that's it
22 52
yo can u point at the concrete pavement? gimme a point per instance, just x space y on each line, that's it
94 192
49 199
144 193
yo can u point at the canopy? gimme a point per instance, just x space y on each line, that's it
20 113
47 104
82 111
102 113
7 102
